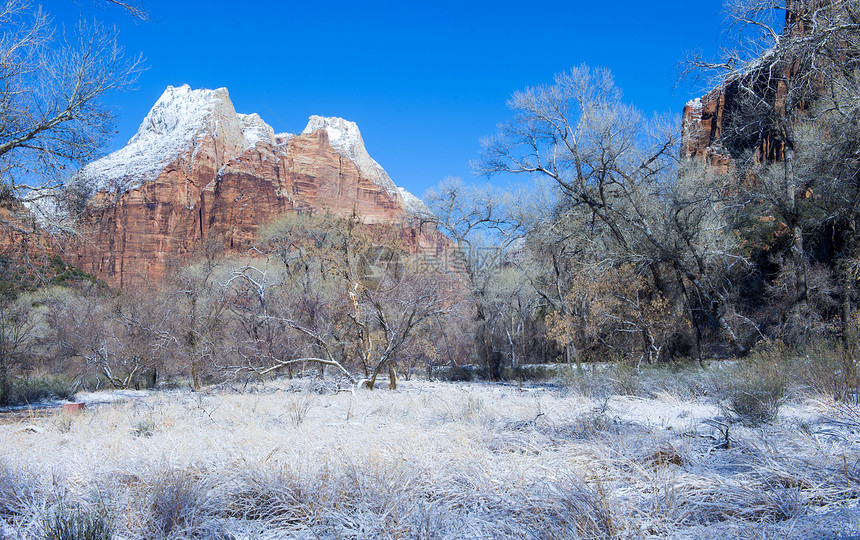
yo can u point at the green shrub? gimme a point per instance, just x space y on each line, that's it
534 372
455 373
26 390
828 368
77 524
143 427
625 377
585 380
685 378
756 387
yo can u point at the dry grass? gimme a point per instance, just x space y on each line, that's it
436 460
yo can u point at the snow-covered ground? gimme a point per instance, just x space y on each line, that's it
290 459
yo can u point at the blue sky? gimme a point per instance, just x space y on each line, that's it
424 81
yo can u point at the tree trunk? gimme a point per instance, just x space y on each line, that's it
691 314
392 376
4 379
724 324
798 255
848 337
191 339
195 375
483 345
716 304
799 258
847 276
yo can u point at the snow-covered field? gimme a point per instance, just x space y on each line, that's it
433 460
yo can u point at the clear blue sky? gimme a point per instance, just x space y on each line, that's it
423 80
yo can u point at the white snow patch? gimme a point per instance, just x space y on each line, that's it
255 130
413 204
177 118
663 412
44 207
282 138
346 140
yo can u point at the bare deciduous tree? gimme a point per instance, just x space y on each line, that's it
52 86
135 9
16 334
484 222
792 63
332 292
200 320
620 174
125 338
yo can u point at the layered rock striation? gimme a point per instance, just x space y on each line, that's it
708 132
197 172
715 127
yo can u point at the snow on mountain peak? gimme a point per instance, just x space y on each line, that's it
182 118
346 140
256 130
343 135
176 123
178 110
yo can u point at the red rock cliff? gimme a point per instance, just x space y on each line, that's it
196 170
707 131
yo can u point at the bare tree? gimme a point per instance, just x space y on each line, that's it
123 337
398 306
200 319
332 292
135 9
792 61
52 113
17 325
620 174
255 297
52 117
484 222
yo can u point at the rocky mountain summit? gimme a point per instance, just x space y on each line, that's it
196 170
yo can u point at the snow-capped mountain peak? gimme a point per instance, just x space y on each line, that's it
183 119
345 138
176 123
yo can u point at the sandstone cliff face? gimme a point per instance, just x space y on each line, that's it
22 240
196 171
710 129
702 125
707 135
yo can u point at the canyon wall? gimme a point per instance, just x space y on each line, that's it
197 172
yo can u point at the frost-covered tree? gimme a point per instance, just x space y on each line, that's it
791 84
618 176
52 89
485 224
52 117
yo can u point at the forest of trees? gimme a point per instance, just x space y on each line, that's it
617 248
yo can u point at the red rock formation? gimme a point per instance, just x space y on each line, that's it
22 241
702 127
224 182
706 119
